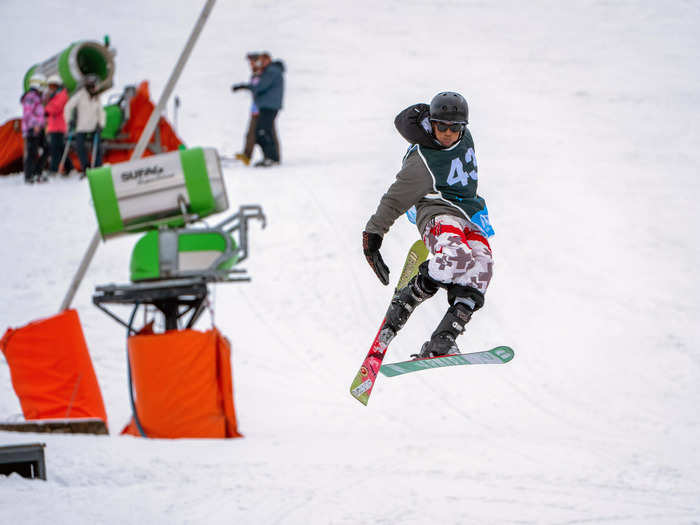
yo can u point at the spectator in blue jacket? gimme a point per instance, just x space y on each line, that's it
267 96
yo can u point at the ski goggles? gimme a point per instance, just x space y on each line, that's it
452 126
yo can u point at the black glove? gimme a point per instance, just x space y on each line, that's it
236 87
371 242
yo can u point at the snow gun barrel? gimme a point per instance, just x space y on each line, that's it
75 62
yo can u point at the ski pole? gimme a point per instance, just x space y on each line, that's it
95 142
82 268
176 112
65 153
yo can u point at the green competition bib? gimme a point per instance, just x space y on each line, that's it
455 177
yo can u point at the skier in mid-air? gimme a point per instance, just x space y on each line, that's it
439 178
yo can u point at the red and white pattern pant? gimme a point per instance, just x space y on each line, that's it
461 255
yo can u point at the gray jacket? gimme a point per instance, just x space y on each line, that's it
413 185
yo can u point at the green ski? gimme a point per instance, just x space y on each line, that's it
498 355
415 256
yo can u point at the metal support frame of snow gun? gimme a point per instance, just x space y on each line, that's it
165 271
168 296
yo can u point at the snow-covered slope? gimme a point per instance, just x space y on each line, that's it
585 117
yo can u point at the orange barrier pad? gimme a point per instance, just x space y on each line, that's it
140 109
183 386
11 146
51 370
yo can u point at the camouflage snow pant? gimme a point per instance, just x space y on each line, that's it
461 254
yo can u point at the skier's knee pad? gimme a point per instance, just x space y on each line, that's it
428 284
457 291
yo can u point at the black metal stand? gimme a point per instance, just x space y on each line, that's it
175 298
25 460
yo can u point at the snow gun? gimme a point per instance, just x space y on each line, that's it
77 61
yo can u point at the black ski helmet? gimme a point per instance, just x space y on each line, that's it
449 106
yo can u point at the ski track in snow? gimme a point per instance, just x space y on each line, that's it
585 121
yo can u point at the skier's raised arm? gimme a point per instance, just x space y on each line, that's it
411 184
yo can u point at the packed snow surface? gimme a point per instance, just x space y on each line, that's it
586 121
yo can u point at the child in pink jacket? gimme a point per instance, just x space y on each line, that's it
54 102
32 128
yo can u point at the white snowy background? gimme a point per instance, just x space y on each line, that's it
586 117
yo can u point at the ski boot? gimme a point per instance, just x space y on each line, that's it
243 158
265 163
442 342
405 300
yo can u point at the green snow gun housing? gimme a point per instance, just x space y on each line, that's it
75 62
194 252
166 190
162 195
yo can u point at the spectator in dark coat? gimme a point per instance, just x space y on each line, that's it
267 96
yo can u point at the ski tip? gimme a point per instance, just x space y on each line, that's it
361 390
361 400
504 353
361 397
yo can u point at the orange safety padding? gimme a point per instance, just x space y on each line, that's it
182 384
140 109
225 383
51 369
11 147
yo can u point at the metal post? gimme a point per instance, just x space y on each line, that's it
61 165
78 277
174 76
143 142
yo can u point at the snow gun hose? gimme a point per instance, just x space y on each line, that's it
128 371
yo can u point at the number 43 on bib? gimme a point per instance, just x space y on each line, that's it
458 174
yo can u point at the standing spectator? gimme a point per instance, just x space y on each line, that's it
267 95
250 139
88 121
55 101
32 126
